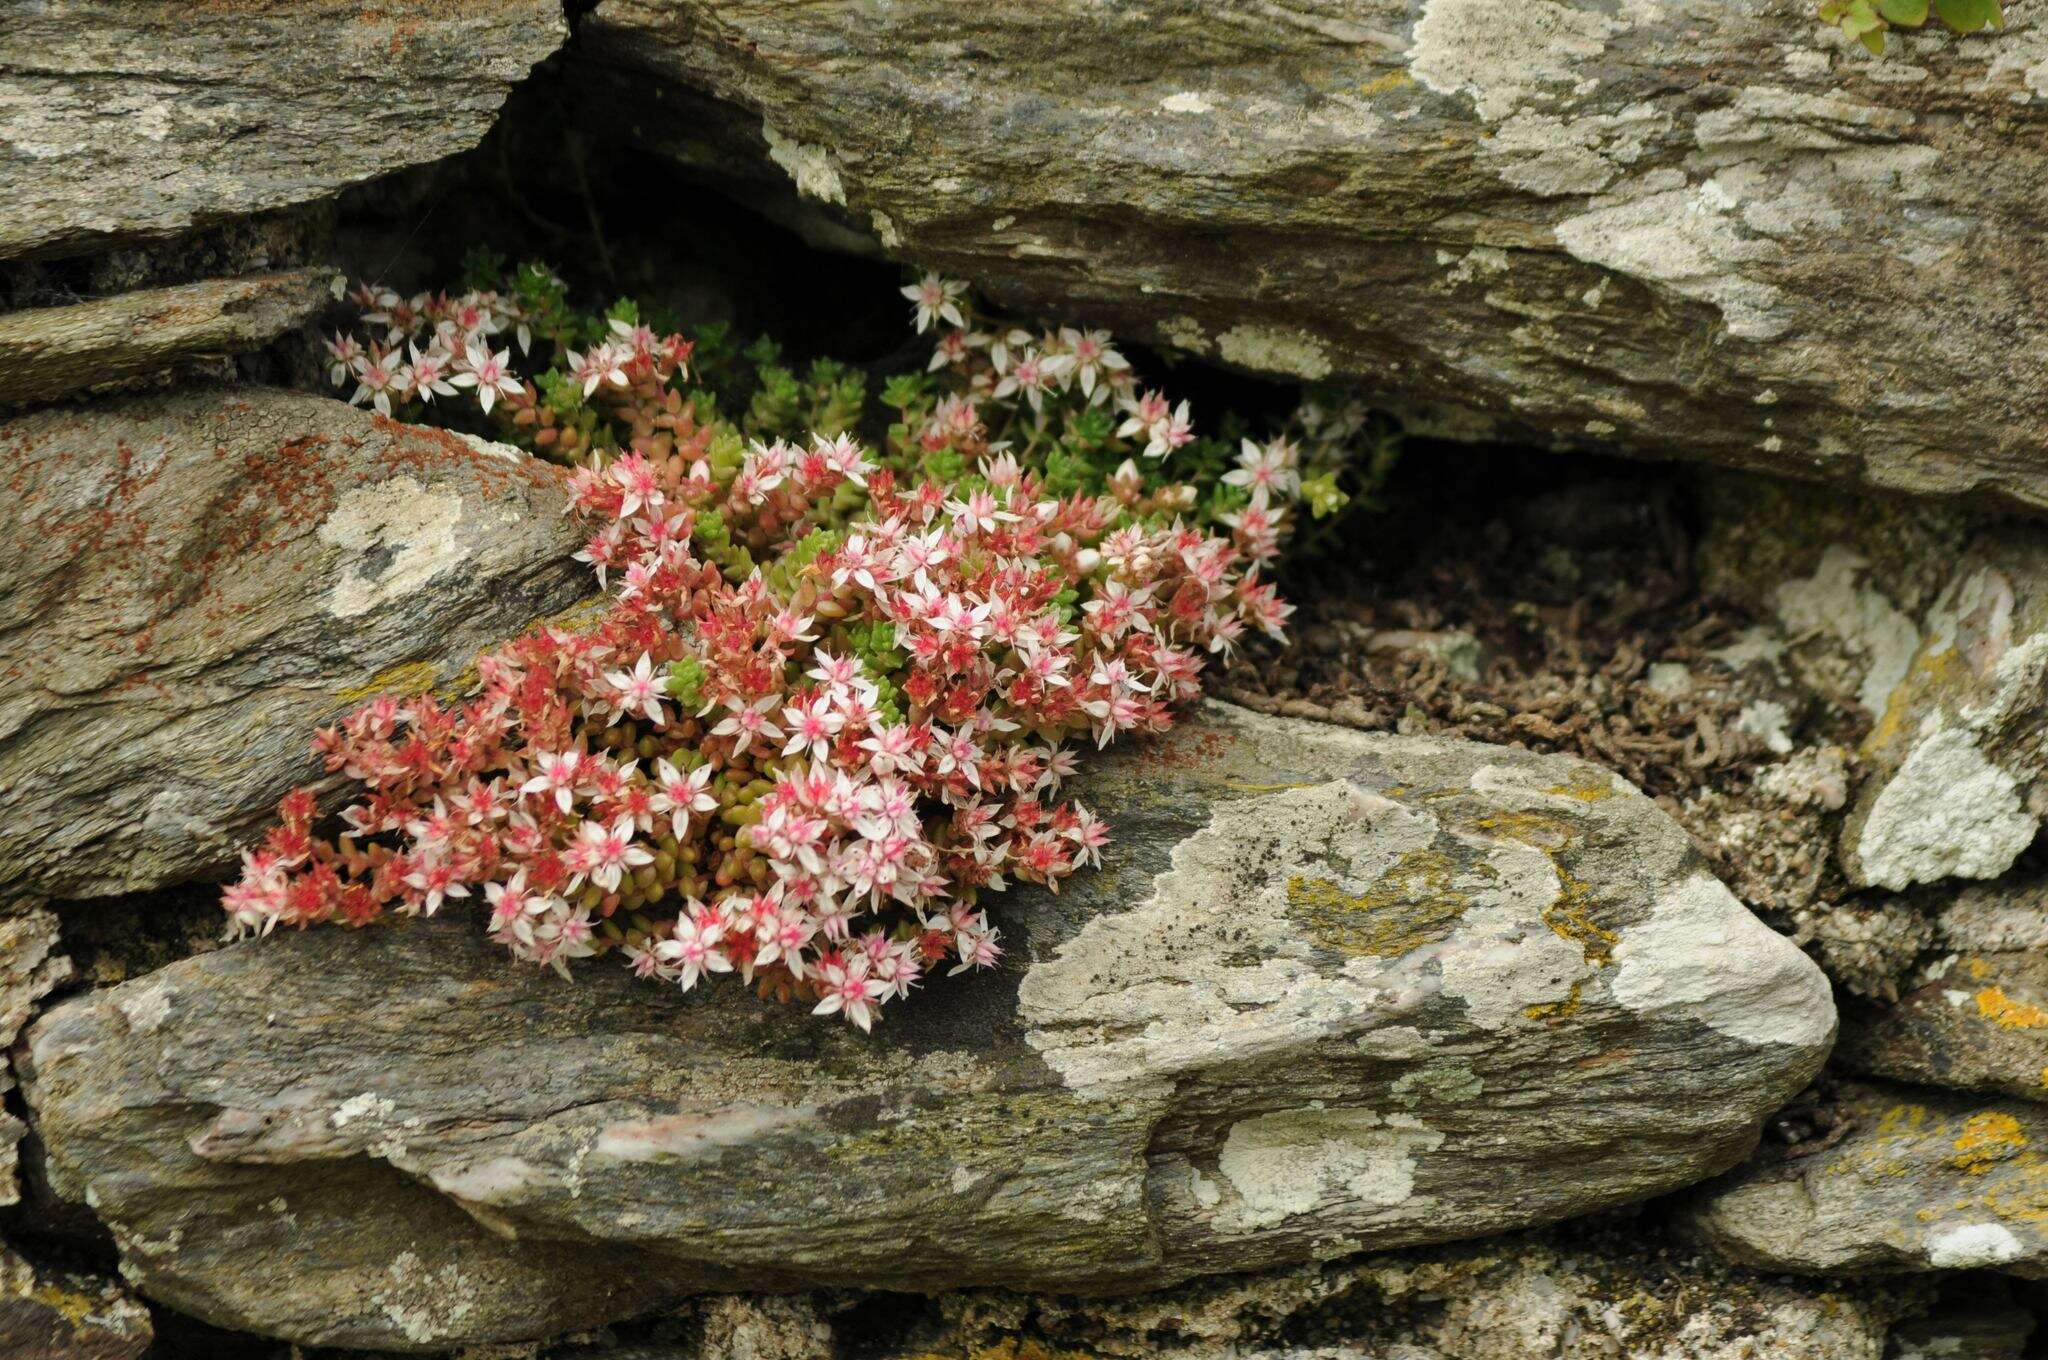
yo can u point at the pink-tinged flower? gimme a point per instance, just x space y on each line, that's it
812 725
637 480
1034 375
427 376
342 353
692 948
512 902
847 990
747 724
602 364
784 938
1093 360
937 300
609 851
431 880
490 374
557 775
680 794
376 381
1266 471
1089 834
979 512
603 550
951 350
637 691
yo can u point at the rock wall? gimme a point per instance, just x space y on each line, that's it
1716 232
1365 1045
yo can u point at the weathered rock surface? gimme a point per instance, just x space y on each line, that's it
1979 1323
51 351
126 119
1331 992
1936 626
1973 1022
1719 232
1923 1182
56 1315
190 584
30 966
1589 1292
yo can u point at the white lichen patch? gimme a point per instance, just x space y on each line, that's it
411 528
1503 53
1946 812
1187 101
368 1105
810 166
1700 954
1683 238
426 1304
1185 332
1552 155
1270 349
1768 721
1294 1162
1837 601
1973 1246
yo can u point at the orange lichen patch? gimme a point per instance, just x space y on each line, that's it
1571 914
1900 1120
2008 1013
1986 1140
1571 917
1413 904
1557 1012
1586 786
1977 969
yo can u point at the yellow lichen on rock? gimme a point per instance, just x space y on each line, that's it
2008 1013
1987 1139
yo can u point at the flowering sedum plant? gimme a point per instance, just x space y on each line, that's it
837 684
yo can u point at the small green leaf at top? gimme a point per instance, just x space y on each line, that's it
1967 16
1904 13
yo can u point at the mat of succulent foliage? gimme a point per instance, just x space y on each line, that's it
836 684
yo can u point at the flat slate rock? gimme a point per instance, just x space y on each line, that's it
48 352
1331 992
1923 1182
130 119
191 584
1973 1022
1677 231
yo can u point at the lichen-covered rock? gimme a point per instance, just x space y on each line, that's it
189 585
49 352
1922 1182
1699 231
218 111
57 1315
1972 1022
30 965
1330 992
1935 625
1959 749
1618 1291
